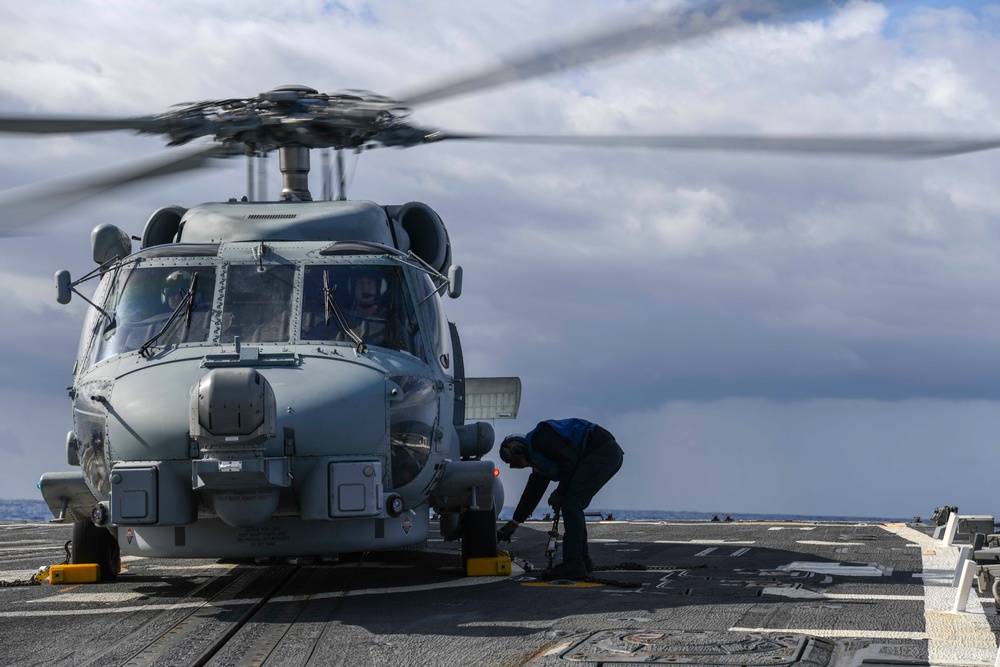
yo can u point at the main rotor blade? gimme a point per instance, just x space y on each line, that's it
660 29
929 146
23 206
71 124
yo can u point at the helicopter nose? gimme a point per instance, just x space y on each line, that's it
233 415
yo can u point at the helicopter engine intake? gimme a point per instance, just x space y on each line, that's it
425 233
233 416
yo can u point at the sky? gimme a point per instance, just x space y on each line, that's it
762 333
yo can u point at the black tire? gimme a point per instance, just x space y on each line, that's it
479 535
92 544
450 524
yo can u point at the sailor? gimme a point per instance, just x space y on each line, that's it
581 456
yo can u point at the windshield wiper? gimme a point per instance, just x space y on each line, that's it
331 305
186 304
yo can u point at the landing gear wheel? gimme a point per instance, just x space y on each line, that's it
92 544
479 535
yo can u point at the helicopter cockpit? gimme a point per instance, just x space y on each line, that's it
152 302
367 301
144 306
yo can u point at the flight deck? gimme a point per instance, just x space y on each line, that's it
685 593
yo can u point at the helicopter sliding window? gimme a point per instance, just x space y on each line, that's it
141 302
257 303
372 299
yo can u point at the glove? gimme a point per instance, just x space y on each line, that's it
555 500
503 535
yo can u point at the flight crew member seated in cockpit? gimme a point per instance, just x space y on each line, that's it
175 288
172 293
366 313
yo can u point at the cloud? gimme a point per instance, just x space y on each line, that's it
630 286
810 457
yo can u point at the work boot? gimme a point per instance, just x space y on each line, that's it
570 569
589 564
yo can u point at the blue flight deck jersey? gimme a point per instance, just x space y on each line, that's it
574 432
555 448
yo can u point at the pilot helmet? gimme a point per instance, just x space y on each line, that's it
516 444
178 281
370 272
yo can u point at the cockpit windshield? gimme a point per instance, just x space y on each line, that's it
143 308
141 304
257 305
371 300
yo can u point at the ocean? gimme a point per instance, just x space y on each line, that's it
37 510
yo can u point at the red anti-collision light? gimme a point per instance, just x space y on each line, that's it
496 472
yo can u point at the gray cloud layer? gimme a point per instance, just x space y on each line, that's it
688 295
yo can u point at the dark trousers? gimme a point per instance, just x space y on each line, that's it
594 471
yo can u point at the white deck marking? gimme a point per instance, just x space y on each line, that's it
847 632
109 610
540 625
184 568
792 528
869 570
963 638
45 544
821 543
15 575
805 593
188 604
955 638
705 542
76 598
705 552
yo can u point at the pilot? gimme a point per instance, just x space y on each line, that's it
136 333
367 315
581 456
175 288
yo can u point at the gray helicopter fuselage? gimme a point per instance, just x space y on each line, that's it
248 420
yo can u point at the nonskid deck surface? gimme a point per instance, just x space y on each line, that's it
711 594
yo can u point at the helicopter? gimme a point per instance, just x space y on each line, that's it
256 367
233 398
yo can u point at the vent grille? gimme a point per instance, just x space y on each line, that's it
271 216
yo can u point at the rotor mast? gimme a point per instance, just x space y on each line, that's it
293 161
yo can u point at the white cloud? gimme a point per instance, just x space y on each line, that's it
615 282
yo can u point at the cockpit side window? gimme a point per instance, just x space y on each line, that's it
257 303
145 301
371 299
95 321
437 322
